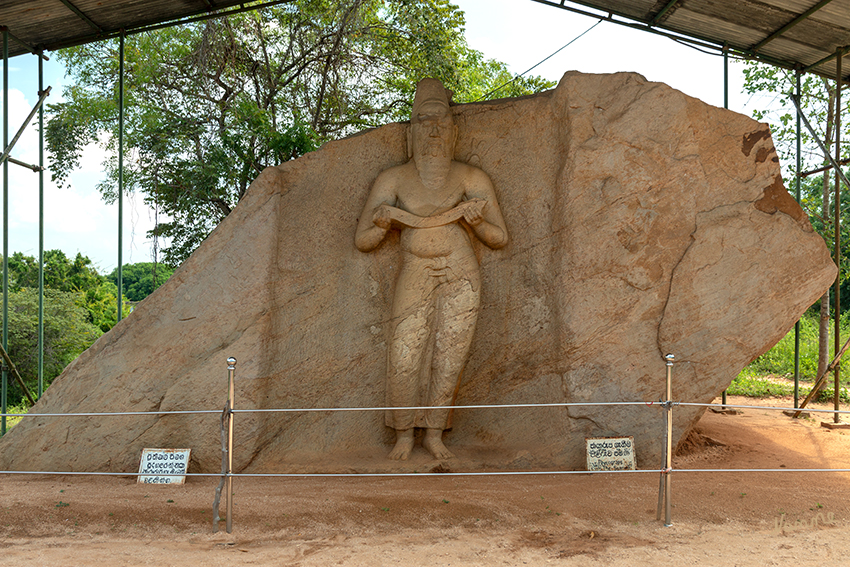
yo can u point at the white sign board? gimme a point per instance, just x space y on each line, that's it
157 464
610 453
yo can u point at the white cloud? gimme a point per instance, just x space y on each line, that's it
76 219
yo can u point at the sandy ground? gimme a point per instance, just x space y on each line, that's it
720 518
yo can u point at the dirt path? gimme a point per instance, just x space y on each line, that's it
743 519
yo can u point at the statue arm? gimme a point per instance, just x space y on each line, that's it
374 225
487 223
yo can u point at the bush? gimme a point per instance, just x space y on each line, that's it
779 360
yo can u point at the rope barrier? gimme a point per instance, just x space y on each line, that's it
418 474
227 474
763 407
332 475
761 470
661 404
484 406
308 410
109 414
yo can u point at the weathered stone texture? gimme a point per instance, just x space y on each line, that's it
642 222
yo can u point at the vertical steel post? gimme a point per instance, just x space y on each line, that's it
665 481
4 387
797 194
725 79
726 106
838 58
120 172
668 479
40 228
231 371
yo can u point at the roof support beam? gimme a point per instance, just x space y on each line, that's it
663 11
691 39
82 15
838 53
113 34
791 24
29 47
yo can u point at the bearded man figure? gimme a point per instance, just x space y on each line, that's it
437 203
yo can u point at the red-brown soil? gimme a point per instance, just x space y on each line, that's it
719 518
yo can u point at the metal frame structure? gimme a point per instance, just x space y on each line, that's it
808 35
35 38
814 39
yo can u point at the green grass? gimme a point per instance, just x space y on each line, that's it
779 361
755 386
772 373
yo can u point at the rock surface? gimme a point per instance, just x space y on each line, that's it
643 222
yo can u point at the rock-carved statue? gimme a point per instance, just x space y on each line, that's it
437 203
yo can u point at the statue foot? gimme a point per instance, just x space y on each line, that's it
403 445
433 442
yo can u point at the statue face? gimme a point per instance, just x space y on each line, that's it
432 131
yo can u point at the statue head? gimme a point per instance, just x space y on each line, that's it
432 133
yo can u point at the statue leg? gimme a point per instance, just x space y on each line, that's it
408 344
455 319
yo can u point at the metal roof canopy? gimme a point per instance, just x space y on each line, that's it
804 35
36 25
795 34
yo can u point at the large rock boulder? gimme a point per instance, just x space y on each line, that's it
642 222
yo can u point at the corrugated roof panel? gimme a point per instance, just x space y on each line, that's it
791 50
837 12
742 24
816 34
694 24
738 23
52 24
795 6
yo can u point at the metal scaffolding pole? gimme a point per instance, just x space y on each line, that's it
797 193
4 388
40 228
120 171
796 100
837 339
726 106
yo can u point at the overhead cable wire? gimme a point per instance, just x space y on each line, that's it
500 87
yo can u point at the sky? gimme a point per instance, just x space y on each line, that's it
520 33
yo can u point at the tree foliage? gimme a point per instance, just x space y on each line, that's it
817 94
78 277
141 279
79 305
68 331
209 105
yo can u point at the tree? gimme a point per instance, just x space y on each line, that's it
141 279
78 277
817 100
211 104
68 331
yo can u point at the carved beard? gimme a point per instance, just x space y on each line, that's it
433 162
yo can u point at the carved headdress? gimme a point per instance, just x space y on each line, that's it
431 90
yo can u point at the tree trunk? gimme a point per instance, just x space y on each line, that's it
823 327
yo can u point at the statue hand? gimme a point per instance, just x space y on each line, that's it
381 217
474 213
